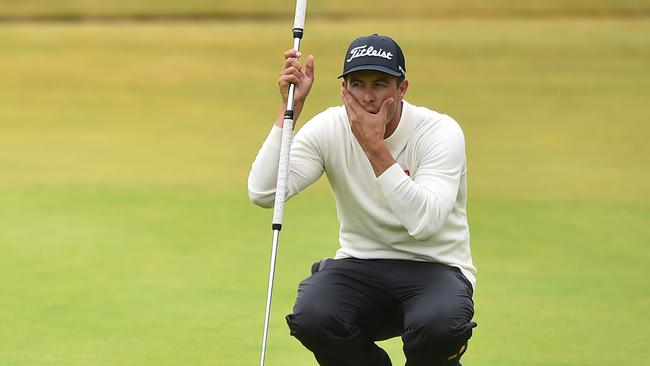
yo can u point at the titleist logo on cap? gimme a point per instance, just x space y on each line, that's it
368 51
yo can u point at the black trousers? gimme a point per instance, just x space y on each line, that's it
348 304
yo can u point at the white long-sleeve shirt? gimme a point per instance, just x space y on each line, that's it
415 210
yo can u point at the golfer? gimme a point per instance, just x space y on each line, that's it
399 176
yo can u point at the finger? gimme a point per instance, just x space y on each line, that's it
347 98
353 107
309 67
344 97
295 63
352 102
291 53
345 102
291 63
285 80
291 71
386 106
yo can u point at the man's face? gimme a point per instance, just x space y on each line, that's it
371 88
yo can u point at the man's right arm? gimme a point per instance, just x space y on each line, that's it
305 164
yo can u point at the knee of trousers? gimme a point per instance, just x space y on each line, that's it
312 327
438 338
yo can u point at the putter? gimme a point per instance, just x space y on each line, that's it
283 172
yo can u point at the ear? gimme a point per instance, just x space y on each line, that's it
403 87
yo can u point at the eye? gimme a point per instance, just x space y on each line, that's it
380 84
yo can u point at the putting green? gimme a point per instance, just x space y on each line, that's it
127 237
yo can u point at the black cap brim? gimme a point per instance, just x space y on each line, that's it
379 68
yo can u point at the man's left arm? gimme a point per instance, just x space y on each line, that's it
422 204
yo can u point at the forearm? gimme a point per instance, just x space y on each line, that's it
263 174
305 165
421 209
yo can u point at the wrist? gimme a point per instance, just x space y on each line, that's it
376 150
279 118
380 159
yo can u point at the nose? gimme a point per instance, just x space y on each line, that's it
368 95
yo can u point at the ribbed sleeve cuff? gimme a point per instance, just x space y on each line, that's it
391 178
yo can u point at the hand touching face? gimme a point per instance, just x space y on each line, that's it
365 93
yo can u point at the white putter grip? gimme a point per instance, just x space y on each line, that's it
301 8
283 172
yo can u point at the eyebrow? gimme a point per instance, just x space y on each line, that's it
382 79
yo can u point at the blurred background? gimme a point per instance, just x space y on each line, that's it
127 129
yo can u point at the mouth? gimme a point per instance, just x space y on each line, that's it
371 109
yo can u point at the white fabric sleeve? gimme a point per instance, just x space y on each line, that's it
305 165
422 204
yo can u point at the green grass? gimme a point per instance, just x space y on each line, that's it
127 237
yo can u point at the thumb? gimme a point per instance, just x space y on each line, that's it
309 67
386 105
